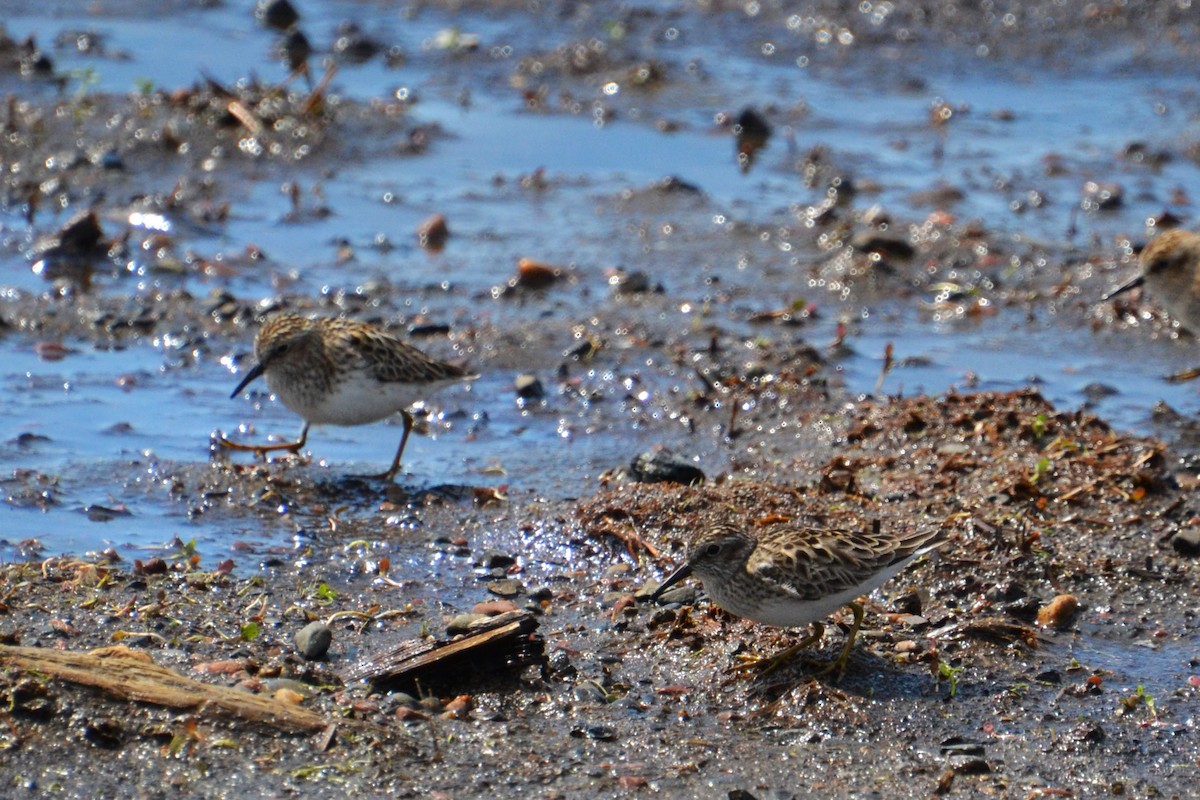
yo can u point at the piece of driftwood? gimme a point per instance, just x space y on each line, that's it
503 642
133 675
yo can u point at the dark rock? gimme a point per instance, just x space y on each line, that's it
1187 542
1090 732
602 733
971 766
495 559
888 244
528 387
278 14
353 45
295 49
662 466
313 640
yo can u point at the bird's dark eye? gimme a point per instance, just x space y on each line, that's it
713 549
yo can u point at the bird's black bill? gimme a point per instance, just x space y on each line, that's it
1124 287
672 579
255 372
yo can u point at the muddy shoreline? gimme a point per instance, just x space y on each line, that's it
795 318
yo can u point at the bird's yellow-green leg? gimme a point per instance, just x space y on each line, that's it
838 665
261 450
765 666
395 467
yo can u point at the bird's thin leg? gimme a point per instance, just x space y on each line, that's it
838 665
261 450
765 666
395 467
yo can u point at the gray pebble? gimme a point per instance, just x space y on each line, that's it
313 640
505 588
462 623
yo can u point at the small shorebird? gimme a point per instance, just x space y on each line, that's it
1170 269
790 576
342 372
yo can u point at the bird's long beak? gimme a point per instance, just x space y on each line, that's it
672 579
255 372
1132 283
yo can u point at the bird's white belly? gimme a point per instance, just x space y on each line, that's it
792 612
354 400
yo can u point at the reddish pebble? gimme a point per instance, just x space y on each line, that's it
458 707
1059 612
433 233
536 275
228 667
494 607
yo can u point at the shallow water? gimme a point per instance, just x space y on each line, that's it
869 108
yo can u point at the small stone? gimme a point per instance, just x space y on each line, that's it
278 14
496 559
313 640
506 588
491 608
535 274
433 233
971 766
462 623
1090 732
1059 612
662 466
1187 542
528 387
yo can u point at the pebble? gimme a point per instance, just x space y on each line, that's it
663 466
313 640
491 608
1187 542
528 387
462 623
433 232
278 14
506 588
495 559
1059 612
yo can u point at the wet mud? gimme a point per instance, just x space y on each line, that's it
828 266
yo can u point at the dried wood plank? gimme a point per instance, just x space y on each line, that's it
133 675
508 639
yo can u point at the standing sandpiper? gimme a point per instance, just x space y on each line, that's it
342 372
791 576
1170 269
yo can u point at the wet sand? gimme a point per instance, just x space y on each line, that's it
838 334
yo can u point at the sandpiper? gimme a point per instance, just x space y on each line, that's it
1170 269
792 576
342 372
